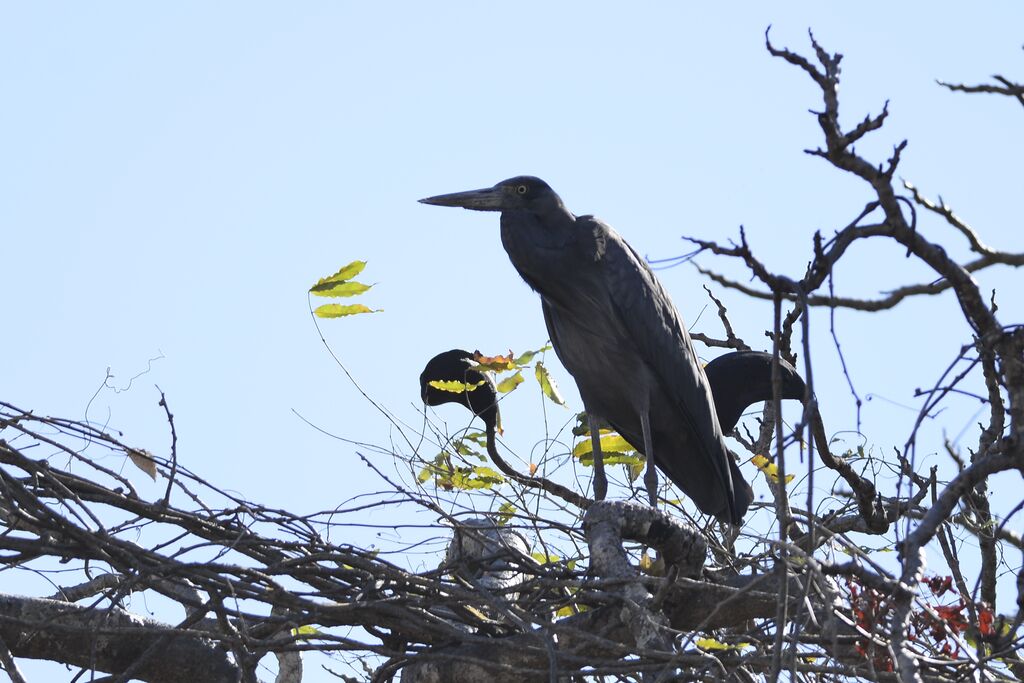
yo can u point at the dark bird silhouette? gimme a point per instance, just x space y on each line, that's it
738 380
617 332
742 378
455 366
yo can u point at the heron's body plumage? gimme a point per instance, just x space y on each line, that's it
615 329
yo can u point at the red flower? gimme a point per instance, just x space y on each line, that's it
985 619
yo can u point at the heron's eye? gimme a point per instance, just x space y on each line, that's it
522 189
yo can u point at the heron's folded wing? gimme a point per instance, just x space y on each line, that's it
656 328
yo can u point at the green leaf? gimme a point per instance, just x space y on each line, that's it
339 311
505 512
479 438
454 385
509 383
480 477
463 478
631 460
547 384
346 273
339 289
462 449
582 426
610 443
440 469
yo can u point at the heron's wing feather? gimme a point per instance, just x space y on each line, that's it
645 310
552 329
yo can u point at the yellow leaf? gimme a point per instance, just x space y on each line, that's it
547 384
646 562
339 289
339 311
143 460
346 273
710 645
652 566
636 469
770 469
533 468
610 443
305 631
509 383
488 473
527 356
454 385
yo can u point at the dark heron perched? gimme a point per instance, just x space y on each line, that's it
616 331
738 380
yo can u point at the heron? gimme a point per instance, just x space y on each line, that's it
616 331
738 380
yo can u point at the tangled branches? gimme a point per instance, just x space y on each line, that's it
998 348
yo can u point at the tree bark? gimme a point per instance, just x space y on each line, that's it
109 640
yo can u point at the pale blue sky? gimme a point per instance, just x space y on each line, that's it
175 177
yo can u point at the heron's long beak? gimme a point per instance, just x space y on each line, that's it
489 199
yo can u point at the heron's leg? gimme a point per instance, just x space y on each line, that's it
651 475
600 480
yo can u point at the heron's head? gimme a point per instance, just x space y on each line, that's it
520 193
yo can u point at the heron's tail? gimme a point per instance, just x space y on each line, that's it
742 495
